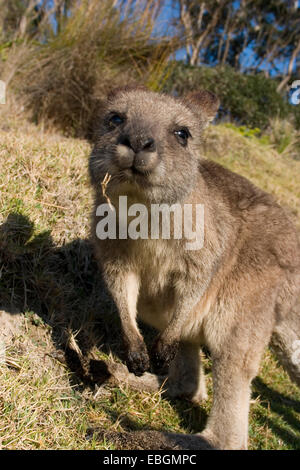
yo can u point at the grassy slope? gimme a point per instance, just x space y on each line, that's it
44 211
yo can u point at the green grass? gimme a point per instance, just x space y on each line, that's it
49 277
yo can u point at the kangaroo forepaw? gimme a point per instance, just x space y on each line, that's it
162 355
138 360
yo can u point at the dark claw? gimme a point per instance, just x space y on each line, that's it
162 355
138 361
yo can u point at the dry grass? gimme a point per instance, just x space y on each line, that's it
63 80
49 276
276 173
285 137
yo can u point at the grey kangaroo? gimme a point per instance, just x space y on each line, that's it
235 295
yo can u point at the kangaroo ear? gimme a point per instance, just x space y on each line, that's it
203 103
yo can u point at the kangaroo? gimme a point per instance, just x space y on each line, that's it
236 294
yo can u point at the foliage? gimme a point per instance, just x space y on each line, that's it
249 35
251 100
20 19
286 139
250 133
64 79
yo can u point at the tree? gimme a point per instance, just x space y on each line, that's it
249 35
21 18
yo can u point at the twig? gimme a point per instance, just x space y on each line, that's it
104 185
51 205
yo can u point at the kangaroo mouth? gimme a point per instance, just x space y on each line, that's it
134 171
135 175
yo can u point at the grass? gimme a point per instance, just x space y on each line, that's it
50 286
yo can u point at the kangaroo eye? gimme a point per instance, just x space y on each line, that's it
182 135
116 120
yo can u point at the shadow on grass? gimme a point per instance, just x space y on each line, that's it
137 436
282 407
63 286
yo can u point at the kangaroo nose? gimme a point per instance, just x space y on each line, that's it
124 140
147 144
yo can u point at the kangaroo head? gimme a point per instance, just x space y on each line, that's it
149 142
